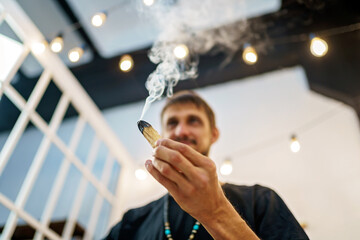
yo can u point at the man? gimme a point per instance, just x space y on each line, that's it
198 206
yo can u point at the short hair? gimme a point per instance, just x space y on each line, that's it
188 96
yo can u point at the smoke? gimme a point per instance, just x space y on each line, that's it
202 26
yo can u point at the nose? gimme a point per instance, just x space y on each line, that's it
181 130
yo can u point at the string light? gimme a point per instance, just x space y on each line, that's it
141 174
294 144
38 47
181 51
126 63
57 44
226 167
148 2
98 19
249 55
318 47
75 54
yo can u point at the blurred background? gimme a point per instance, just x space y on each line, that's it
283 78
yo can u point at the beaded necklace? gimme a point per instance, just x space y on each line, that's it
167 223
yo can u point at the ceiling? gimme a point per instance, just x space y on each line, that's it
272 27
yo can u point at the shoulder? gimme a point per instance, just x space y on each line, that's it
255 191
137 214
265 212
255 187
133 218
256 198
259 196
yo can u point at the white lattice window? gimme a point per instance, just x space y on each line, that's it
66 169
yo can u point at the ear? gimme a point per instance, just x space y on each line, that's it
215 135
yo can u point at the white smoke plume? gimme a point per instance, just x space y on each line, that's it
198 25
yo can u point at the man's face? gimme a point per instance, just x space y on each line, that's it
186 123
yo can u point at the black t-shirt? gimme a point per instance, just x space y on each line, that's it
262 209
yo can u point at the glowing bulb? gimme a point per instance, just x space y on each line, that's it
98 19
75 54
181 51
318 47
38 47
57 44
141 174
226 167
294 145
126 63
249 55
148 2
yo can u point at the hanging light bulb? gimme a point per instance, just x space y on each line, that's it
318 46
226 167
181 51
126 63
57 44
38 47
294 144
98 19
249 55
75 54
141 174
148 2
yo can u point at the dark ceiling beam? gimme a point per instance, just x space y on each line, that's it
74 20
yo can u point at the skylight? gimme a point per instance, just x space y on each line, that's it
10 51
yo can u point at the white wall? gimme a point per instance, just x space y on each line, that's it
320 184
256 116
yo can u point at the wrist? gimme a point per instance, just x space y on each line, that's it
226 223
221 215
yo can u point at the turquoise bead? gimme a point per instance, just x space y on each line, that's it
196 227
167 232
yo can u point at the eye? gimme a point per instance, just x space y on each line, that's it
171 123
194 120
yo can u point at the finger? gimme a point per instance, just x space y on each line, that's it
169 185
170 173
194 156
176 160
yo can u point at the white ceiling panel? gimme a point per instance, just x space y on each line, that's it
123 31
127 29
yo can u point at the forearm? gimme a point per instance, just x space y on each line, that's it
197 189
226 223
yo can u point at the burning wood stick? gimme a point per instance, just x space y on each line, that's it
149 132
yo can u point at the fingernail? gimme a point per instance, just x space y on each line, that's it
158 142
147 164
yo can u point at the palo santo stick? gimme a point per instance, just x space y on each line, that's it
149 132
